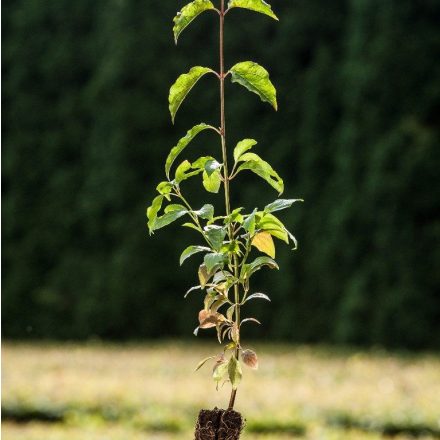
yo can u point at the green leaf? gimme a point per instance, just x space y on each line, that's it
274 226
191 226
242 147
182 87
211 172
257 264
182 174
234 216
201 162
293 239
220 371
181 170
213 260
253 162
231 248
152 212
254 5
221 276
257 295
211 165
169 217
182 144
280 204
212 182
249 222
203 362
216 235
191 250
268 222
256 79
164 188
187 14
234 372
206 212
174 207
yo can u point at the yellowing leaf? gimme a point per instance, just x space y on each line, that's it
234 372
235 333
220 370
219 359
263 242
204 275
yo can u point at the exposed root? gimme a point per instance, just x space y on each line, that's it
218 424
231 425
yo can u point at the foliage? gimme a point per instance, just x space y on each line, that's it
226 269
84 119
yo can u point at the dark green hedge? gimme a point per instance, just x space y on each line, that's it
86 131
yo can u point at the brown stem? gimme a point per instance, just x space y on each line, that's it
232 399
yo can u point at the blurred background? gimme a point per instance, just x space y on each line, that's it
86 131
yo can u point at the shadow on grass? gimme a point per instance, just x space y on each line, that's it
144 422
23 414
270 426
20 414
389 428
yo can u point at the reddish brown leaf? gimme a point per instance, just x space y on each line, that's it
208 319
250 359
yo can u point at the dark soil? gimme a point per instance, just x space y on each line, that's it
219 424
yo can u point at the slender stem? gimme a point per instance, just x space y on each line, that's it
226 175
194 217
222 116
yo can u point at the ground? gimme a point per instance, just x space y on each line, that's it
150 391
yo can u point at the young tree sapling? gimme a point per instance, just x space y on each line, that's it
227 238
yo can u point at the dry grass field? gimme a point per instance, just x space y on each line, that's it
150 391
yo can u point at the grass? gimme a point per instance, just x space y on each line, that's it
150 391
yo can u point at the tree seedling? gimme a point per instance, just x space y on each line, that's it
227 239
